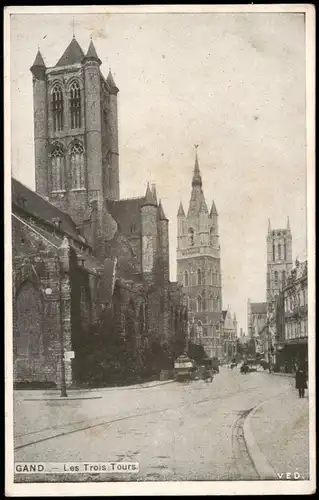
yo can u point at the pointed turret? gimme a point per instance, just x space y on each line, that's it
161 212
149 198
288 223
269 226
110 81
38 67
213 210
72 55
197 180
180 212
91 54
154 192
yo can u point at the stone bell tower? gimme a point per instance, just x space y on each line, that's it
199 264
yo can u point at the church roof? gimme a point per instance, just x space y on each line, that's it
39 62
72 55
31 202
127 213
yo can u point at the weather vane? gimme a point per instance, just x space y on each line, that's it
196 146
73 25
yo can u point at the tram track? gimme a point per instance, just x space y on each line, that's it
87 424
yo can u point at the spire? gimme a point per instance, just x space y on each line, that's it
197 180
180 212
111 82
154 192
288 223
38 62
213 210
38 67
161 212
91 53
203 207
72 55
149 198
269 226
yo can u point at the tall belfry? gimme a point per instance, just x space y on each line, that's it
75 131
199 265
279 258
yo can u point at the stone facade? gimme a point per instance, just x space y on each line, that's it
229 335
94 250
199 269
292 343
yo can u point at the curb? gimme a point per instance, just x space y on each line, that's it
258 458
68 398
73 396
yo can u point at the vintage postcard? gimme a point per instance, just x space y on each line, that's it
159 225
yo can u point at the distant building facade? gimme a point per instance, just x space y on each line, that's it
78 249
199 267
229 335
293 343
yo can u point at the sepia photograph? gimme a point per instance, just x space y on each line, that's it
159 225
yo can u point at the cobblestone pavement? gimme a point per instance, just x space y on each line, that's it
281 430
189 431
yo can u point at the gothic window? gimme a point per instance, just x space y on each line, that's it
199 303
57 168
75 105
285 250
283 278
211 235
57 108
279 251
276 277
77 165
199 277
273 252
186 278
217 303
210 303
191 236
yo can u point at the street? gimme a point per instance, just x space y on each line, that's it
176 431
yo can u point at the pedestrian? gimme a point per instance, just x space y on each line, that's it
301 381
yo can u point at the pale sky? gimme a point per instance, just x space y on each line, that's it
232 83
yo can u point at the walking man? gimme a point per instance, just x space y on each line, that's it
301 381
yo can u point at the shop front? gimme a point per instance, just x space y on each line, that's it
292 353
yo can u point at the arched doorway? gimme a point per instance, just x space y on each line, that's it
29 355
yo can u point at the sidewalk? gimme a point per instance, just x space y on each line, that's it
280 428
74 394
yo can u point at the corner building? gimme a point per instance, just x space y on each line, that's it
199 267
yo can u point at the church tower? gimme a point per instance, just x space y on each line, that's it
279 259
198 265
75 131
